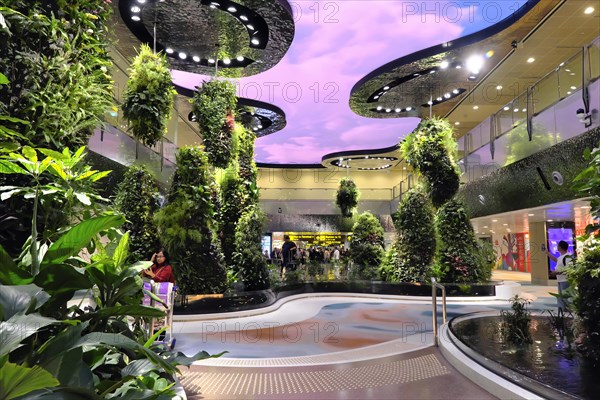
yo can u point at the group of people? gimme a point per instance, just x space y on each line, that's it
290 256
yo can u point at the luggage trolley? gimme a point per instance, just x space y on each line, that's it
165 291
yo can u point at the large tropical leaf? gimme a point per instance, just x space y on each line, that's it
71 370
16 380
78 237
19 328
10 273
21 299
121 252
133 310
138 368
62 278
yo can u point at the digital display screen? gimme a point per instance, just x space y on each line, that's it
555 235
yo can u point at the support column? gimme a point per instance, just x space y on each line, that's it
539 259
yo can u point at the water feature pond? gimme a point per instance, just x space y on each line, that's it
547 366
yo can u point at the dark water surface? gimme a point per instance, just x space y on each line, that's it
547 360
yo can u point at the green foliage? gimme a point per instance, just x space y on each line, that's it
93 347
232 205
213 104
187 224
247 167
518 145
461 258
515 323
149 96
409 258
248 257
430 150
347 197
55 55
60 186
137 199
367 245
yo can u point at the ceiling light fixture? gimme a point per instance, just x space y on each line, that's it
243 18
196 58
240 58
182 55
475 107
135 18
231 9
255 42
589 10
444 64
530 60
499 87
475 63
506 108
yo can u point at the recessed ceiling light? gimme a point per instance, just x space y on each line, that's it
530 60
408 108
474 64
169 50
458 66
447 95
531 215
524 110
251 27
505 224
211 60
398 109
386 88
388 110
183 56
135 9
243 18
255 41
573 87
231 9
444 64
485 227
432 71
375 97
550 220
260 127
135 17
214 3
499 87
457 123
196 58
141 1
569 92
404 168
475 107
494 220
379 108
430 102
455 91
589 10
506 108
516 110
438 99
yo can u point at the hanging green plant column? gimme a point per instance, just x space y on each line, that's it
149 96
366 247
187 226
137 199
213 106
430 151
347 197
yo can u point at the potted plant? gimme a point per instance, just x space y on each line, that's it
149 96
347 197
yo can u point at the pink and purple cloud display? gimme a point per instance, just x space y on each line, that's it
337 43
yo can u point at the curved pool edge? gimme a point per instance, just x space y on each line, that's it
486 379
503 292
381 350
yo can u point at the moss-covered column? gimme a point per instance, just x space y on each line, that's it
539 260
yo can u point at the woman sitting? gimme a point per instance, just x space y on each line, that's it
161 270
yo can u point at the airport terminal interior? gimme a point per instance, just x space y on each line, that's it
303 199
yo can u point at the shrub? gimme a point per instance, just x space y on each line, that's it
430 151
367 245
515 323
248 257
413 250
137 199
347 197
213 104
186 226
149 96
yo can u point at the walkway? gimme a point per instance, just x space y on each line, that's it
382 349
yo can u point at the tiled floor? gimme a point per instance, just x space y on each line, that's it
372 353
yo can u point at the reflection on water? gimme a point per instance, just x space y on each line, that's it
547 360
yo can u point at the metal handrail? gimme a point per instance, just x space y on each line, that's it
434 287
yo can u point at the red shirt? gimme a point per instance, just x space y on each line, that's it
163 273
